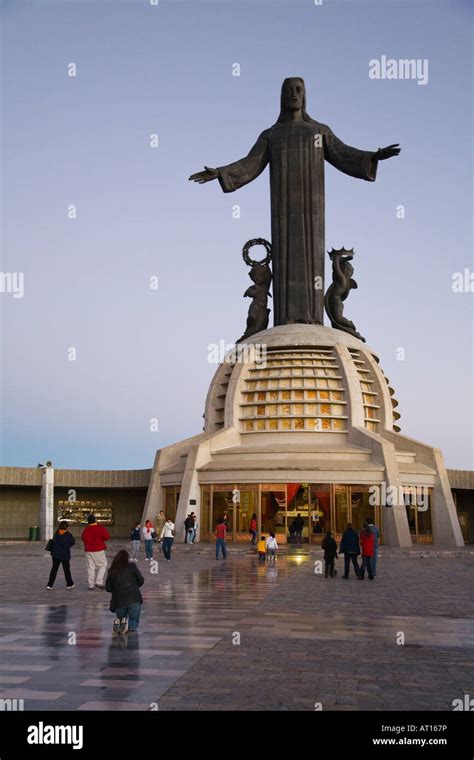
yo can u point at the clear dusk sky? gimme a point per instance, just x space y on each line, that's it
168 69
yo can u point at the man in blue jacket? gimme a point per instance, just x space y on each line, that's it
350 549
61 554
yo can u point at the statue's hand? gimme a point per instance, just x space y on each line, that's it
205 176
388 152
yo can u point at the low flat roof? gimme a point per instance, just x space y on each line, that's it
31 476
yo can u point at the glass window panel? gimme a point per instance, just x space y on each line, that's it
337 410
261 396
298 395
260 424
323 395
326 424
284 409
299 423
342 510
311 424
286 395
334 384
285 424
260 410
273 424
424 517
205 512
336 396
311 409
271 409
411 516
371 413
320 508
323 383
245 509
338 424
249 425
250 396
273 395
361 508
222 503
311 395
310 382
298 409
324 408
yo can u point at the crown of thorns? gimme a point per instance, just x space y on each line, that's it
257 241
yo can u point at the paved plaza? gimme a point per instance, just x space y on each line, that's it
235 635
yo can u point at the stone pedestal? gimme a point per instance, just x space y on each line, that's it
305 404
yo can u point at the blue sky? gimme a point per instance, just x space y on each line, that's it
167 69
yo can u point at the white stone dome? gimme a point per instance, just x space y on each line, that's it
309 380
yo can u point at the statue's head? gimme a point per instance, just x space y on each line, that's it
261 275
293 98
348 269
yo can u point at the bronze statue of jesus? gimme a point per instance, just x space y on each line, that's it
296 148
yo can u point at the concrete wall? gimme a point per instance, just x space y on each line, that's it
19 508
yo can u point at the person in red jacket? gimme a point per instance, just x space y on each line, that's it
221 530
94 538
253 529
367 546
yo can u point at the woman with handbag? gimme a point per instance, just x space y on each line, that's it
60 547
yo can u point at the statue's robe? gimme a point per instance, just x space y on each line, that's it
296 152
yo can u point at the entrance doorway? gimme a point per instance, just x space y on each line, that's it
316 508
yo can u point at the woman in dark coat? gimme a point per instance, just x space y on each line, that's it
61 554
123 582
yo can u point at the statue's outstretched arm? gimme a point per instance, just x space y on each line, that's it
241 172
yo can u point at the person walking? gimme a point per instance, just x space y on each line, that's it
271 548
376 533
148 536
123 582
94 538
298 522
189 528
186 528
330 554
292 531
221 531
253 529
168 538
61 554
350 548
195 527
160 524
367 544
262 550
135 539
192 528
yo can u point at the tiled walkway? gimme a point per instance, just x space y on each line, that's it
236 635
